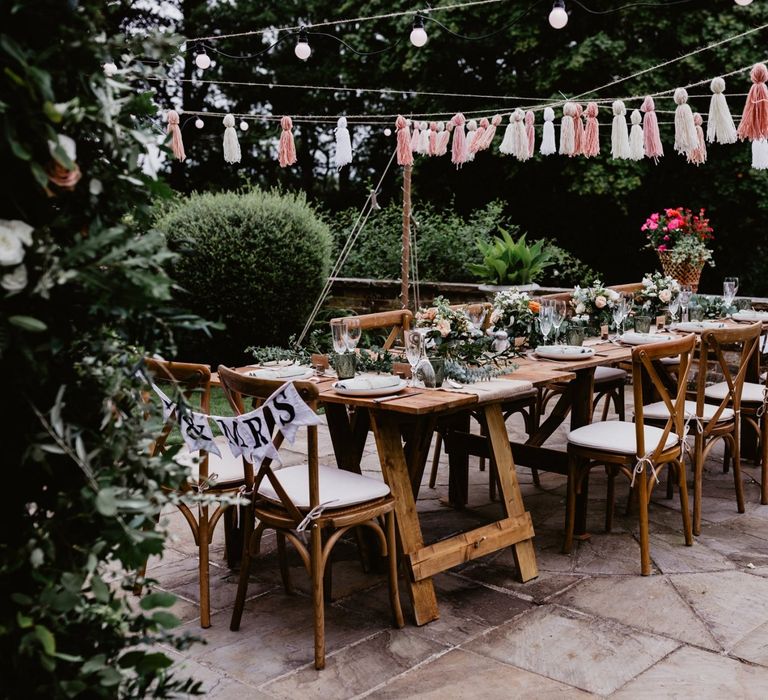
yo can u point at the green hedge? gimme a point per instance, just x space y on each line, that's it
255 260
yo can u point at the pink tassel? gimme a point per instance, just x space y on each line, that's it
591 133
286 151
530 117
433 138
699 154
459 144
404 153
490 132
443 136
651 138
578 130
478 143
177 145
754 120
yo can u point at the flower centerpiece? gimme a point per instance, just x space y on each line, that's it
514 312
680 239
594 304
450 333
657 291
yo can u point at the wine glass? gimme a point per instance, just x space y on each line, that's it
546 312
352 332
730 287
674 307
686 292
337 335
619 313
414 348
558 315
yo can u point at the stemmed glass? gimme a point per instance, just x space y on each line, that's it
619 313
351 333
546 313
338 335
730 289
558 316
686 292
674 307
414 348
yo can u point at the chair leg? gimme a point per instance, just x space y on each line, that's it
245 566
318 603
606 407
698 478
764 460
736 459
282 555
682 482
726 456
435 461
670 485
632 494
394 594
621 408
610 498
205 588
570 505
645 545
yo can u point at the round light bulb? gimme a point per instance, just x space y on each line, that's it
110 69
302 50
203 61
418 37
243 125
743 2
199 123
387 132
558 17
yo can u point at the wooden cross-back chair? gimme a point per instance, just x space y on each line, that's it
637 450
209 473
396 321
318 498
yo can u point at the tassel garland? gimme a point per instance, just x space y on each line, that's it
620 132
530 132
567 137
651 138
507 143
754 120
636 141
698 155
548 145
591 143
286 150
231 144
720 126
177 145
343 144
686 140
459 143
404 153
441 142
760 154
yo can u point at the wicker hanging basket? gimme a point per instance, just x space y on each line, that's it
684 272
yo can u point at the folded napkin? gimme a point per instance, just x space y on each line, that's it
495 390
286 373
748 315
369 381
632 338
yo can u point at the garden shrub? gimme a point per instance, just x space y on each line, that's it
255 260
566 270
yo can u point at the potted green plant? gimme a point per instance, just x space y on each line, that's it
509 263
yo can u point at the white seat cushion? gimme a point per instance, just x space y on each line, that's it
228 469
659 411
340 487
609 374
670 360
751 393
617 436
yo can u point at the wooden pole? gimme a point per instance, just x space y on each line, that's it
405 263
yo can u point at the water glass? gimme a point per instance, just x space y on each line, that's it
414 348
695 312
559 310
545 321
642 324
337 335
686 292
574 335
673 307
351 332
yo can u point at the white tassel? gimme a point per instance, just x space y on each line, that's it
424 144
636 142
508 142
720 126
685 130
231 144
760 154
567 133
415 137
548 145
471 135
620 132
519 136
343 144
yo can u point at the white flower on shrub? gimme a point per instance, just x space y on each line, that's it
665 295
14 235
15 280
580 308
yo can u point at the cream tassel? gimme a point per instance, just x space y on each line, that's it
636 141
567 132
620 132
548 143
685 130
507 146
442 139
519 136
760 154
343 144
231 144
469 154
424 142
720 126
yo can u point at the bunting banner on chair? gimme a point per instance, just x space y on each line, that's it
169 406
257 438
290 411
196 432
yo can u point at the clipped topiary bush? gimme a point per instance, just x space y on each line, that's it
255 260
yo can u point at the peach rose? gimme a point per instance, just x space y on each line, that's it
600 301
534 306
444 327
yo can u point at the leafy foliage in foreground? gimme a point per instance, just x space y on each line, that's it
83 288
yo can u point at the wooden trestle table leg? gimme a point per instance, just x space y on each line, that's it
581 415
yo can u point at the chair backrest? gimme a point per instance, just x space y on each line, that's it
714 344
397 321
191 380
238 389
648 372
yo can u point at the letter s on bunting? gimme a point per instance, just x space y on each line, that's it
290 411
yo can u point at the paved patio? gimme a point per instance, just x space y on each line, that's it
590 625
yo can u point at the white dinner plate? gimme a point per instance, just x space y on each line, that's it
749 315
564 352
286 373
632 338
356 387
698 326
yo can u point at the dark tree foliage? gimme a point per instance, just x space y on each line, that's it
594 207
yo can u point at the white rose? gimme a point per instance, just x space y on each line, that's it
14 235
495 316
665 295
15 280
444 327
580 308
600 301
613 295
